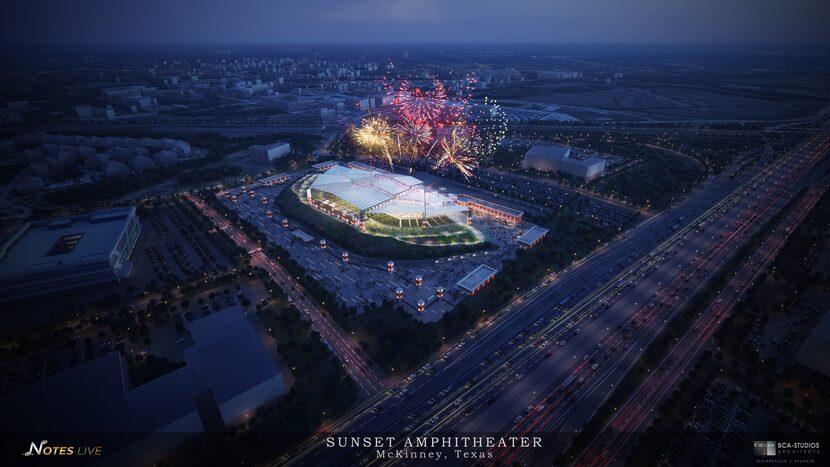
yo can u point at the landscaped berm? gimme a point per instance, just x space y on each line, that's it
380 211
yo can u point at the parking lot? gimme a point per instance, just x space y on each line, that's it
362 281
180 250
782 336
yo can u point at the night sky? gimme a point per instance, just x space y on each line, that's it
414 21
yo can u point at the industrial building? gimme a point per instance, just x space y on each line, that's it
556 158
69 252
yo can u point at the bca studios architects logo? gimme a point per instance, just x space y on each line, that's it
764 448
43 449
805 452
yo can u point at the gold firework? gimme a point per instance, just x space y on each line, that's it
455 151
375 136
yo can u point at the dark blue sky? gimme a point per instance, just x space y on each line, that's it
443 21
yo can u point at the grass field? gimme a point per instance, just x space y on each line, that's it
661 178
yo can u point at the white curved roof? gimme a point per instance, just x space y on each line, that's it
362 188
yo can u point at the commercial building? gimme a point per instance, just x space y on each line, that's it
265 153
491 209
227 374
532 236
65 253
323 166
556 158
273 180
356 192
475 280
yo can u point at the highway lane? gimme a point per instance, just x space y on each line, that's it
388 412
367 377
591 403
639 408
504 377
431 422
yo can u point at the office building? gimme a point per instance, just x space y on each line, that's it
59 254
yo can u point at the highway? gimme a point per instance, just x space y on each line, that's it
567 408
413 405
368 378
638 409
592 357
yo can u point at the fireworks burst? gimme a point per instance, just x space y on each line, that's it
421 105
413 135
375 136
491 126
434 122
455 151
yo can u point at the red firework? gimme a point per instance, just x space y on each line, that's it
421 105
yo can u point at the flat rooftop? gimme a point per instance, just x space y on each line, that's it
532 234
273 178
489 204
472 281
66 242
228 357
556 151
303 236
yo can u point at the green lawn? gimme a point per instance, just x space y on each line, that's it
660 179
